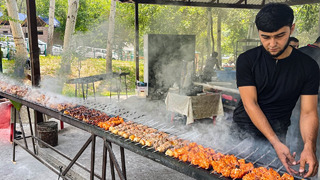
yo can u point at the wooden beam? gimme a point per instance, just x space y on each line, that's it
199 4
240 2
34 51
33 43
136 51
216 3
300 2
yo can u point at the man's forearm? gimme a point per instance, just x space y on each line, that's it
309 122
309 126
261 122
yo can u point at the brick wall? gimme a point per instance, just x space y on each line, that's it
42 33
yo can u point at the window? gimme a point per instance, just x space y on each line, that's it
40 32
5 32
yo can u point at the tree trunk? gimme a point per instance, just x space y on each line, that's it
209 25
21 50
51 27
110 36
20 7
70 26
319 24
219 39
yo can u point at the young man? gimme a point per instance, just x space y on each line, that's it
270 79
294 42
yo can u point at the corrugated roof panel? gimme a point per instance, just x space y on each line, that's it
250 4
228 1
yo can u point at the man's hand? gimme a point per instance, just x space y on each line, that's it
308 157
285 157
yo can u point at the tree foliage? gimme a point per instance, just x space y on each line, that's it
307 21
165 19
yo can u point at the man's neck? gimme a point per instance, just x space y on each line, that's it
285 54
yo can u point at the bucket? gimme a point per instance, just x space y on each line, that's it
48 132
5 115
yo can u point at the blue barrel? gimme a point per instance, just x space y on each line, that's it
229 75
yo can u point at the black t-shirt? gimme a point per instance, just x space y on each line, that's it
312 51
279 84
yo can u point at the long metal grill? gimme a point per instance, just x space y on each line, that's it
252 152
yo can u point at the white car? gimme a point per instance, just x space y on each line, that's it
42 45
90 52
57 50
99 53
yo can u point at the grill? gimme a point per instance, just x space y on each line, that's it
252 152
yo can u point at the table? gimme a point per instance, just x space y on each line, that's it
217 87
229 93
92 79
195 107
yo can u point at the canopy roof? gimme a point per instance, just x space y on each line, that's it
247 4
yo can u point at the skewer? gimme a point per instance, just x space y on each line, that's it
175 132
158 126
271 162
196 137
150 148
252 153
187 135
279 168
232 148
261 157
169 128
161 126
151 125
242 151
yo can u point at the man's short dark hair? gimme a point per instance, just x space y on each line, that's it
318 40
274 16
293 39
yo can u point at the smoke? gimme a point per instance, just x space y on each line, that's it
51 84
166 62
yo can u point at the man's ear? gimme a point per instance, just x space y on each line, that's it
292 28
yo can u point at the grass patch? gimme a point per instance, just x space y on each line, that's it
50 65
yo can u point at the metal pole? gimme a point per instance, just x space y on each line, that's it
22 130
104 160
77 156
109 148
93 152
123 162
1 55
14 134
30 124
137 39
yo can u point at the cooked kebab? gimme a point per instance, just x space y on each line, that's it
87 115
264 173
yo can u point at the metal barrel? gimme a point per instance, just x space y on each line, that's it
48 132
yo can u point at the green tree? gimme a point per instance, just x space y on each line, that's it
307 22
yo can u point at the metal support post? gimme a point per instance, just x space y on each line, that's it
93 152
31 131
123 162
77 156
104 160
